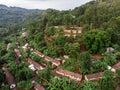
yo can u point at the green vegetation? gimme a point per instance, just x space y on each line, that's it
96 41
88 52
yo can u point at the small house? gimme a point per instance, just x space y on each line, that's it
69 74
94 76
9 77
114 67
17 52
34 64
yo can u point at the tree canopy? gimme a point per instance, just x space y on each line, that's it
96 41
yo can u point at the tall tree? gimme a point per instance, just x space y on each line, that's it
106 83
96 41
2 77
118 75
85 62
89 85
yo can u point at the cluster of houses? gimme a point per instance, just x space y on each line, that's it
97 76
32 65
74 76
59 71
73 32
55 62
35 66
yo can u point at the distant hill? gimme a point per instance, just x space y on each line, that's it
16 15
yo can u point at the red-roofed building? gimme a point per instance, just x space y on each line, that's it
114 67
117 65
94 76
47 58
9 78
67 31
17 52
71 75
39 53
73 31
17 60
58 61
35 64
37 86
55 62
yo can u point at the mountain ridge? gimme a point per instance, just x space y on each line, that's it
15 15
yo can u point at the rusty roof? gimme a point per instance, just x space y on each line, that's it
37 65
69 74
38 52
117 65
56 61
9 77
94 76
37 86
17 52
17 60
48 58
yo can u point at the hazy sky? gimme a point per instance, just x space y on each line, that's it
45 4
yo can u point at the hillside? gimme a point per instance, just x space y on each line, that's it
14 19
76 49
16 15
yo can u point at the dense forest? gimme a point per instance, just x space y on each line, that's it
13 19
75 49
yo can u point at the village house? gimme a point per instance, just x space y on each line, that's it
109 50
73 32
25 47
94 76
67 35
114 67
31 66
55 62
47 58
8 46
67 31
111 69
37 86
71 75
39 53
79 29
34 64
66 56
24 34
17 60
58 61
9 78
17 52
